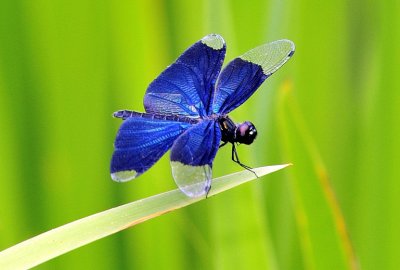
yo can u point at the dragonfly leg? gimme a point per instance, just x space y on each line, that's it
207 190
235 158
222 144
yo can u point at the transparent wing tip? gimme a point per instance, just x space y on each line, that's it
288 43
124 176
271 56
214 41
194 181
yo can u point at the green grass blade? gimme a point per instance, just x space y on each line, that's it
81 232
322 228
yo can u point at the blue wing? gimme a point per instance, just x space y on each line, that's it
241 77
140 143
192 155
187 86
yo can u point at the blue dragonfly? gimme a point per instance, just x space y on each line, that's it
187 108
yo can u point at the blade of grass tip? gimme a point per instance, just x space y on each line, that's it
63 239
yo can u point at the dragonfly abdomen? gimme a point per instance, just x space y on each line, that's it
124 114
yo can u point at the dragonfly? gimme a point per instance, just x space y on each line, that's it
186 111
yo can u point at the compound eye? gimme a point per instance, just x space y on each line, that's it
252 131
246 133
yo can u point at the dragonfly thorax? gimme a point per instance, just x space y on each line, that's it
244 132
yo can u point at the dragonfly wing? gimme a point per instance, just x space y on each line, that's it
192 155
140 143
187 86
242 76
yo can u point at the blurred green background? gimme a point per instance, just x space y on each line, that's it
332 111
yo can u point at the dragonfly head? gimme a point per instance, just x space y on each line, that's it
245 132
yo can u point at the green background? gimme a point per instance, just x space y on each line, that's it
332 111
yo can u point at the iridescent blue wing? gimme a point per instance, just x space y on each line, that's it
187 86
140 143
192 155
241 77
